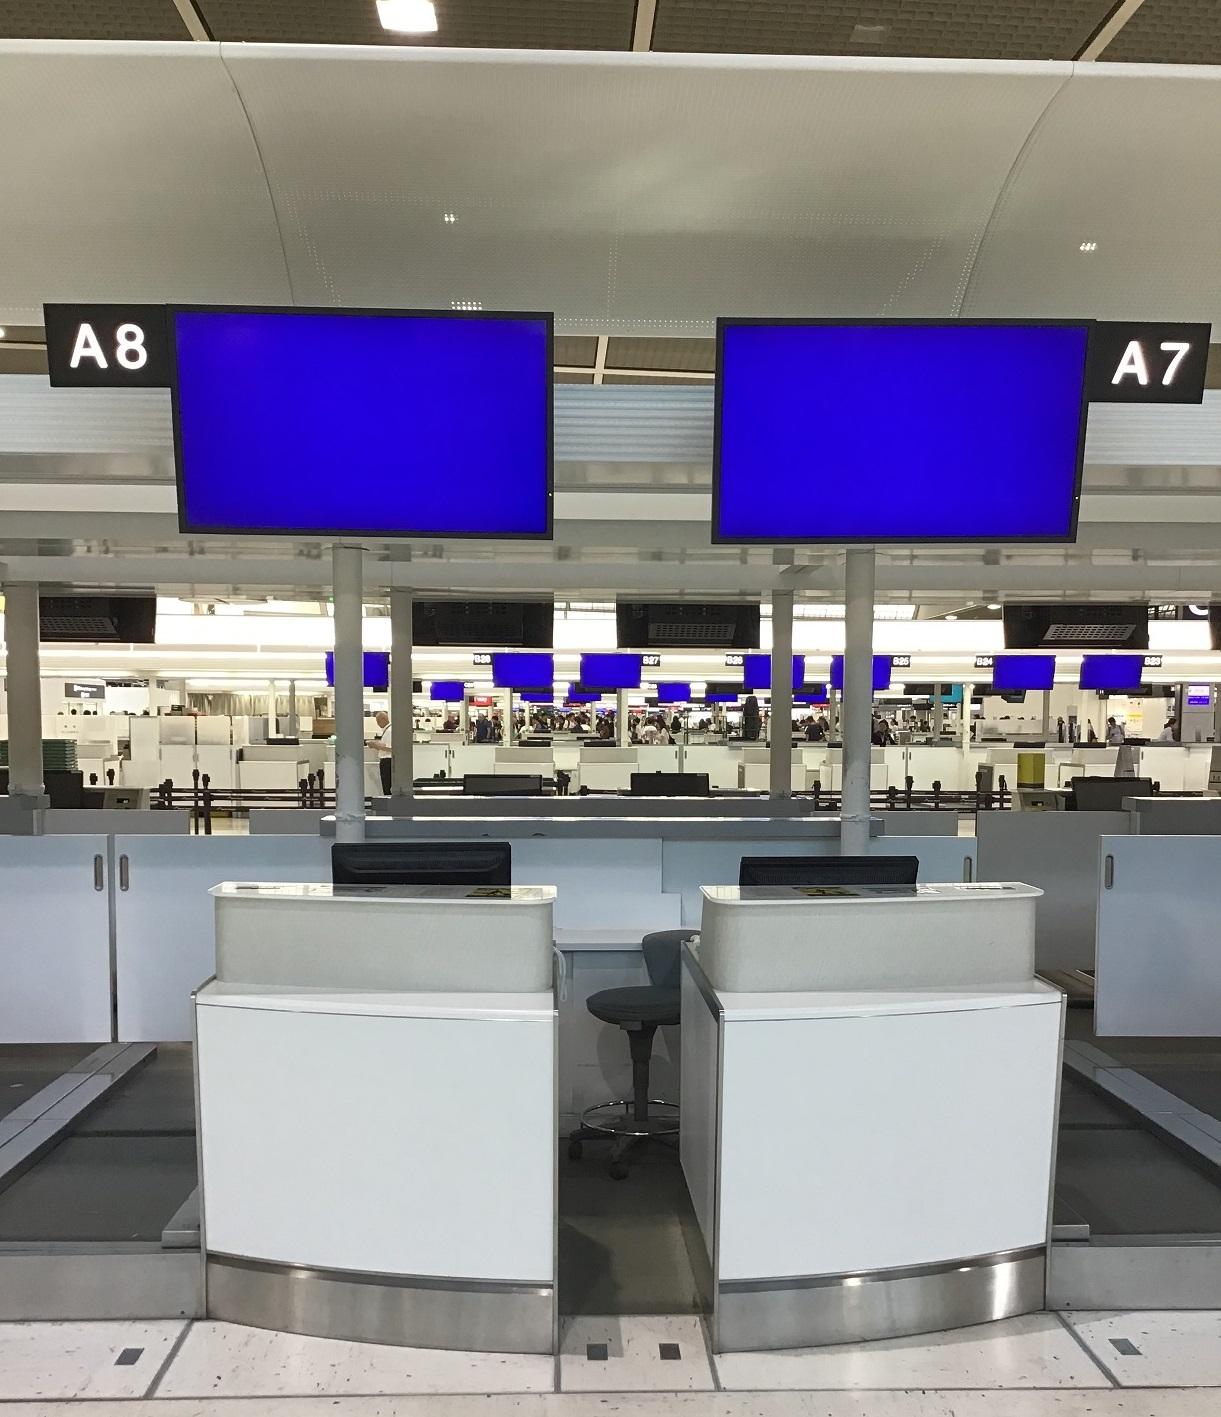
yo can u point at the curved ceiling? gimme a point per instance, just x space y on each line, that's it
637 194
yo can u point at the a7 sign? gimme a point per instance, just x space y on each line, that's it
1147 362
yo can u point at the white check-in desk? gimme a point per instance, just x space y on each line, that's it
870 1088
376 1073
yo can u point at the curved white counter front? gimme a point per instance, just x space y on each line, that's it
378 1127
869 1140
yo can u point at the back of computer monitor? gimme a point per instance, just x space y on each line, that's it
422 863
669 784
1106 794
828 870
504 784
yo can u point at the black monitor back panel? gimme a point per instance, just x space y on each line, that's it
505 784
828 870
669 784
1106 794
422 863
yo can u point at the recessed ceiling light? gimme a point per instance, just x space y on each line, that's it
3 331
407 16
466 304
994 605
450 218
1088 246
951 617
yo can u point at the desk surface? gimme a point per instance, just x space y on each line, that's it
932 893
532 1007
383 895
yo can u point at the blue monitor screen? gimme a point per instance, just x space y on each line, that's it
579 695
611 671
1111 671
757 671
721 698
523 671
816 694
881 672
373 423
898 432
376 673
1012 672
447 691
539 698
674 693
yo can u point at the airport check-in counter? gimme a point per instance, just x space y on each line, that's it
870 1089
376 1075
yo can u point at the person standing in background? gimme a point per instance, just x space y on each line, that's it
380 743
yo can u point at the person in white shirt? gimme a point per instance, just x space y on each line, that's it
1169 734
1115 733
380 744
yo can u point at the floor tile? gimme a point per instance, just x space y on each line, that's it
69 1360
634 1361
1029 1352
227 1360
1174 1348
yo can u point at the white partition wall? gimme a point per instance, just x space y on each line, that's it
54 939
163 919
1159 944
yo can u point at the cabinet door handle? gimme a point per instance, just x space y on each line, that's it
99 873
124 873
1108 872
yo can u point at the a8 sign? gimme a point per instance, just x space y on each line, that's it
107 346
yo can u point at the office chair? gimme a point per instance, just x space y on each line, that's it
639 1010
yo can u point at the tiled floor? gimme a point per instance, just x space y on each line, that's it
1078 1365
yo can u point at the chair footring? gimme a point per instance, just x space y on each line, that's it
625 1124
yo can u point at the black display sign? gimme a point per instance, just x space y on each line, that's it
1147 362
75 690
107 346
900 661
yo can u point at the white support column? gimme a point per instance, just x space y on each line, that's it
622 737
348 562
859 575
402 722
938 712
24 691
968 778
780 721
294 721
1046 714
833 714
271 710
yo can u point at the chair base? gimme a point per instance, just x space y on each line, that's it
626 1131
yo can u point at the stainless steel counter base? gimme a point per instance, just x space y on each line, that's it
809 1312
484 1316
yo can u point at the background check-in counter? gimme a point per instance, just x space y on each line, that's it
870 1088
376 1073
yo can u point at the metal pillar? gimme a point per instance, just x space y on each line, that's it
24 691
272 725
968 780
859 576
938 711
622 737
1046 714
833 714
348 562
294 721
402 722
780 721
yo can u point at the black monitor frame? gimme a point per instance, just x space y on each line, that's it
669 784
422 863
1106 794
505 784
828 871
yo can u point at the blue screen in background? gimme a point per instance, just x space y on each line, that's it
611 671
812 695
447 691
757 671
673 693
904 433
523 671
1111 671
881 672
376 669
390 425
1011 672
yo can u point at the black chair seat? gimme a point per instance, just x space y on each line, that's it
643 1003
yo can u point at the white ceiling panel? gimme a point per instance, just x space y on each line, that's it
1127 157
128 172
641 194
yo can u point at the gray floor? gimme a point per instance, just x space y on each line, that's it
27 1068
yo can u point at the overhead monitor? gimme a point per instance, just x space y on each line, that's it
375 674
1089 626
447 691
104 619
680 624
579 694
673 693
721 698
757 671
898 431
523 671
881 672
541 697
369 423
483 624
811 694
1111 672
608 672
1011 672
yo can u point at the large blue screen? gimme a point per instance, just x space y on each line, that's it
379 424
893 432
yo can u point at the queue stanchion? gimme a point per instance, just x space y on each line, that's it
195 800
207 805
936 794
908 783
1001 788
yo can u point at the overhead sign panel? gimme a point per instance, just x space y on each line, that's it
1148 362
107 346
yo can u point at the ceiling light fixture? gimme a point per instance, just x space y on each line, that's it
407 16
466 304
3 332
1088 246
994 605
951 617
450 218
